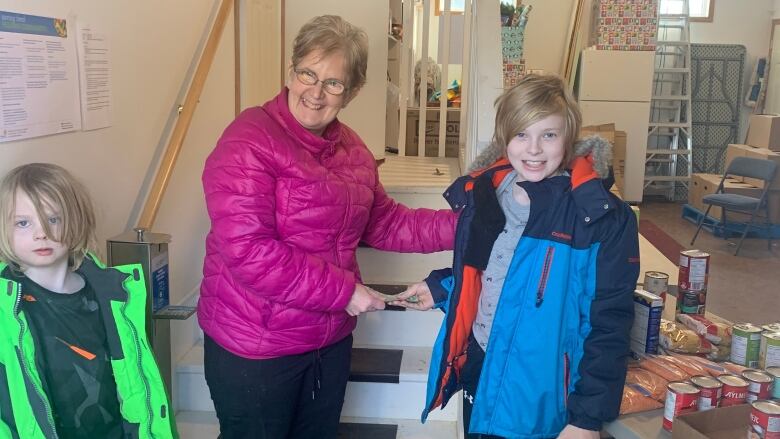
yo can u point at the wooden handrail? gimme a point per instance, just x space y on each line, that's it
186 111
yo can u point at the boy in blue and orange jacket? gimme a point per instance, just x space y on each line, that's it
539 300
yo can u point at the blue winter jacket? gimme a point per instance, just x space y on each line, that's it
559 344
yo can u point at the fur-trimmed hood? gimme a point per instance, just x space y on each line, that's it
596 146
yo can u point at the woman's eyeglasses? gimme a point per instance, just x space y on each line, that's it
332 86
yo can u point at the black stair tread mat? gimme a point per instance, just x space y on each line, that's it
375 365
349 430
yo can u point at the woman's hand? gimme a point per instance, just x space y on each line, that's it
572 432
424 298
363 301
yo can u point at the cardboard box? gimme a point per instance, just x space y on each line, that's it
736 150
764 131
719 423
451 147
706 184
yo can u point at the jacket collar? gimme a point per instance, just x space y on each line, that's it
316 145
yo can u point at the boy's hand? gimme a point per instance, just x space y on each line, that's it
424 298
572 432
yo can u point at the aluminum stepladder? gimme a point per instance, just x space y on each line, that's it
668 164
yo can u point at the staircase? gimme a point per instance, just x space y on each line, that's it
392 348
668 165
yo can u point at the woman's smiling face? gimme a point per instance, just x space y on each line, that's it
311 105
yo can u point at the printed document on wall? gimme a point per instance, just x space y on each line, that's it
39 88
94 78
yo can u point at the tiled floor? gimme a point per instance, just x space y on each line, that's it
741 288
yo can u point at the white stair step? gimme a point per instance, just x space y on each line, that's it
404 400
398 328
204 425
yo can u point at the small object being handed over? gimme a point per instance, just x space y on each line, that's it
392 297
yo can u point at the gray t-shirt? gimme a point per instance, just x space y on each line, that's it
500 258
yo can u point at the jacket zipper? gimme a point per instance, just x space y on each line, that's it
139 362
545 274
565 379
26 367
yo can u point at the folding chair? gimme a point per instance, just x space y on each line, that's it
742 167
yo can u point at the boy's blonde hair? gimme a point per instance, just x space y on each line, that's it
531 100
50 188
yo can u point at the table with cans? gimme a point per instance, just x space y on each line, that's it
754 386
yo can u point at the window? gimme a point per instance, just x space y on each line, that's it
701 10
456 6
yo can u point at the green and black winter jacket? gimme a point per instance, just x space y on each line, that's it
25 409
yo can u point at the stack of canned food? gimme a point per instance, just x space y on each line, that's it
692 281
756 352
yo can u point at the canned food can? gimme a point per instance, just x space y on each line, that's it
771 327
681 397
694 270
745 344
734 391
765 419
769 351
774 371
709 391
657 283
759 384
691 302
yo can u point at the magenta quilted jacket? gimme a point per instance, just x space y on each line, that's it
287 211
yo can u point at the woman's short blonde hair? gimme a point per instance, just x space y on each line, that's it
331 34
50 188
534 98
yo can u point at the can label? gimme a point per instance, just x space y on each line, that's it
734 391
657 283
745 344
769 352
765 419
708 398
691 302
775 372
681 398
709 391
694 269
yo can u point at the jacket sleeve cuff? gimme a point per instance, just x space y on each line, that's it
585 422
440 284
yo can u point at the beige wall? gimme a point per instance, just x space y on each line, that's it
546 33
261 50
152 46
366 113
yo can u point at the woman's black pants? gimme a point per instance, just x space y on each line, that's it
296 396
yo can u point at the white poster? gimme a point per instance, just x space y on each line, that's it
39 89
94 78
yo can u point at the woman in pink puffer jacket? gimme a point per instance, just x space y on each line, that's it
291 192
